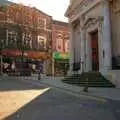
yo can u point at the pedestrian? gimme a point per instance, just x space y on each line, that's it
39 73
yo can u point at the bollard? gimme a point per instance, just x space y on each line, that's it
85 89
39 76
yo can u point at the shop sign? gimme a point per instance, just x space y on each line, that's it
58 55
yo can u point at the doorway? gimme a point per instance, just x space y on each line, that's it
95 51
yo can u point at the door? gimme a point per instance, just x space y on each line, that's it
95 56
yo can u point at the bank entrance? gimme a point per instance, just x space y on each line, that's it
95 50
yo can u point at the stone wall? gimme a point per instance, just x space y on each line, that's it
115 22
95 11
113 76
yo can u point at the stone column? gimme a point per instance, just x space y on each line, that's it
106 36
82 45
71 50
78 48
77 45
100 43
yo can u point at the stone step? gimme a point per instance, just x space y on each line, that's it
88 82
83 80
94 79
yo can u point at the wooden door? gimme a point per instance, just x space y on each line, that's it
95 56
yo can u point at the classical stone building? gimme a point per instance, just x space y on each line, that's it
95 35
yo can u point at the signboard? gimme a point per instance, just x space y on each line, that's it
60 56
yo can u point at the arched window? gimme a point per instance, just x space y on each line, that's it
67 46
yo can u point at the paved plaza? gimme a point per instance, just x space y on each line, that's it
31 100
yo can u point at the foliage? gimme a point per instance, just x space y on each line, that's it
3 8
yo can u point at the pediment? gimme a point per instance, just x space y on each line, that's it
89 19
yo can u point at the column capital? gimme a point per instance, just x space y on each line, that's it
81 22
70 25
106 1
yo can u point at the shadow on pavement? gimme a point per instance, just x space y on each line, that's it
54 105
50 106
115 108
15 84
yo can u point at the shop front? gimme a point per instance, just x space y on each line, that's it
60 63
27 62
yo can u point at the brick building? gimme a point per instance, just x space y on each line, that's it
26 32
60 46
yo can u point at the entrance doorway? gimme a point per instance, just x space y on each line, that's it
94 46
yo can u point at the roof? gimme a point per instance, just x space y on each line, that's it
5 2
67 11
41 12
56 22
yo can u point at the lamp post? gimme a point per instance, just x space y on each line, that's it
53 65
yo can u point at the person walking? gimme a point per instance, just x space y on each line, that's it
39 73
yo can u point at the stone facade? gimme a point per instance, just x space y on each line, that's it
90 17
115 22
94 26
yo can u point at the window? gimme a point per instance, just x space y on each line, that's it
67 46
27 40
41 42
59 45
41 23
12 38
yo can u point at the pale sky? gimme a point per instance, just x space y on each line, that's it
55 8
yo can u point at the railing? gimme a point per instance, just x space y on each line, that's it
76 66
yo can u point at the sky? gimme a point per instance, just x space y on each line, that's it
54 8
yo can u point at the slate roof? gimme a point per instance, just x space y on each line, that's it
5 2
56 22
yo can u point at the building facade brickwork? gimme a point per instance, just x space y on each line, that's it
60 47
27 30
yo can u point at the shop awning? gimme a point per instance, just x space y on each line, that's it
27 54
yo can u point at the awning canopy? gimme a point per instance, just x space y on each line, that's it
26 54
61 56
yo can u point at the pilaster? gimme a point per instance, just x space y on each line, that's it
107 36
82 38
71 50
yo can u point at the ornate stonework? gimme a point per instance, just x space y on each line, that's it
81 6
115 5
